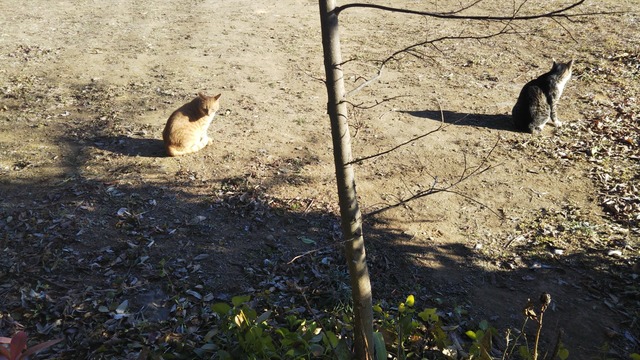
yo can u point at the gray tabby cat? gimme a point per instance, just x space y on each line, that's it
538 99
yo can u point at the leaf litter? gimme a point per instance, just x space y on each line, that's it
125 298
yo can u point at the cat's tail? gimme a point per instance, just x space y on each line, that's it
172 151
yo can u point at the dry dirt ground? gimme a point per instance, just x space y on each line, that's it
92 213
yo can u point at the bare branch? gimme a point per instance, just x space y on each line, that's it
359 160
313 77
565 29
434 189
410 48
440 127
361 86
453 16
378 102
465 7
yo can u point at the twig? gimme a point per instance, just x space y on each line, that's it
359 160
565 29
322 80
433 42
506 347
464 7
306 253
361 86
453 15
507 353
367 107
517 238
433 189
556 13
308 207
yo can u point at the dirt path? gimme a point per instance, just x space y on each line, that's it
86 89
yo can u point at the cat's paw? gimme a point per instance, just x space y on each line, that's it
535 129
557 123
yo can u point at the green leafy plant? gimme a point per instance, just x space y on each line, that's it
17 347
242 333
410 334
482 341
402 333
406 332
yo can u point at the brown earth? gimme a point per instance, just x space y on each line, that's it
92 209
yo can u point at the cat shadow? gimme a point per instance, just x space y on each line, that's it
497 122
130 146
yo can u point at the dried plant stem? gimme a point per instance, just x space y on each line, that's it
507 353
538 331
545 300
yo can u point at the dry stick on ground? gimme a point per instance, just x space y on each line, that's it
335 245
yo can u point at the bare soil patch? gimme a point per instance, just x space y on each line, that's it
93 214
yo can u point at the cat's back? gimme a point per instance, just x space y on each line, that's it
181 118
186 112
531 92
542 82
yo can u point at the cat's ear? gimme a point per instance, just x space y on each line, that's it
570 63
217 96
202 96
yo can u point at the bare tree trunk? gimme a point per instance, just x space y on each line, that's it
349 209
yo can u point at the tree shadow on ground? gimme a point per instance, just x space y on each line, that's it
153 245
130 146
455 275
77 248
497 122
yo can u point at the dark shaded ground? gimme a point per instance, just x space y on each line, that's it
96 224
73 252
495 122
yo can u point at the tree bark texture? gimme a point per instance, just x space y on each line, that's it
350 214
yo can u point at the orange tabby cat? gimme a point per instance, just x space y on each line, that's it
186 129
